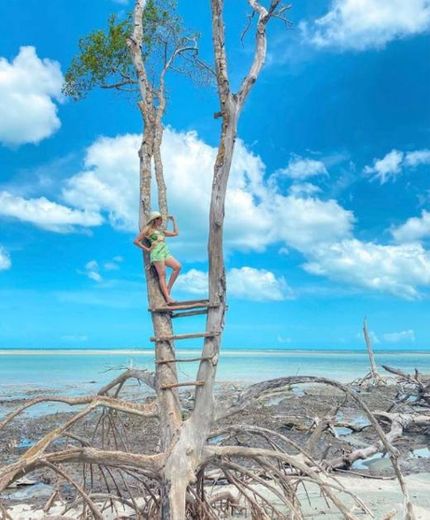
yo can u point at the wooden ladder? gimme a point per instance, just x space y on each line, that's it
183 309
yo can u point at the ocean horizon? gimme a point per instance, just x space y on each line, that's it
55 367
354 349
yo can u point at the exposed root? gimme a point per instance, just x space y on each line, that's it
262 482
385 442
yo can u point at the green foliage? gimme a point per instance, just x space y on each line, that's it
104 58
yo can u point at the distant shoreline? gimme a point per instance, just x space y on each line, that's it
225 350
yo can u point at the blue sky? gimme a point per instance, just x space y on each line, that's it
328 216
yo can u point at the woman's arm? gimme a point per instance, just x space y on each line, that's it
175 231
138 241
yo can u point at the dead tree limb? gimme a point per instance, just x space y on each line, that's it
372 377
393 453
94 510
295 462
143 376
144 410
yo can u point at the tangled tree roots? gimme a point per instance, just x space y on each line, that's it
244 470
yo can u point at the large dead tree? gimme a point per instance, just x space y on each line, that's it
172 482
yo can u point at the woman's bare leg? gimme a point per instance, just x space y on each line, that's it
176 266
161 271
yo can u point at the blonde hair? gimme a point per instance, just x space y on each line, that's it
149 228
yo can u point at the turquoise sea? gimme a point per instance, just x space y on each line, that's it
80 371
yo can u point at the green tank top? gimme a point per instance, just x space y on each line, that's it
154 237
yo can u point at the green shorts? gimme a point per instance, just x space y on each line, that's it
160 253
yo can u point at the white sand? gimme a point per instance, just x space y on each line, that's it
381 496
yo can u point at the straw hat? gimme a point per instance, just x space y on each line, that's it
153 215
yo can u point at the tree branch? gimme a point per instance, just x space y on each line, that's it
264 16
96 513
135 42
215 452
151 463
144 410
144 376
219 48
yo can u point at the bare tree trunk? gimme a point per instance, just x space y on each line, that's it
204 406
166 374
231 105
373 377
367 339
158 162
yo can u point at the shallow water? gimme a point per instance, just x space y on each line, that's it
80 371
421 453
364 463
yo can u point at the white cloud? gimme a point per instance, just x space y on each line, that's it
414 229
399 337
109 182
193 282
114 264
256 214
395 269
28 88
417 158
393 164
306 223
92 270
5 262
46 214
246 283
386 168
364 24
300 168
94 275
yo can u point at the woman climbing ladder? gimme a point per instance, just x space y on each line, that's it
160 256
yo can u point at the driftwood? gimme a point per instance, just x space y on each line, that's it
372 378
279 466
412 386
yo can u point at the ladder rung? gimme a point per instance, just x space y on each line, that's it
184 336
187 383
188 360
188 313
185 305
